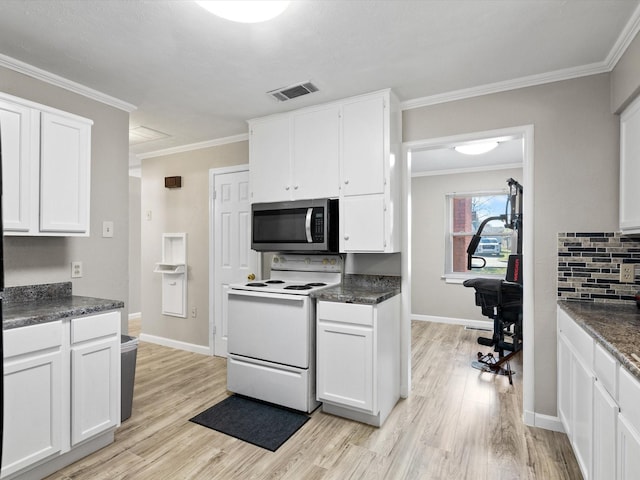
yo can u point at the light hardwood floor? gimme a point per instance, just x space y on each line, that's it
458 423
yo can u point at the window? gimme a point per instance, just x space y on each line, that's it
466 212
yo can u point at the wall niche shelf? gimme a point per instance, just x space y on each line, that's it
173 268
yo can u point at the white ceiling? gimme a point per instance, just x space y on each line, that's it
197 77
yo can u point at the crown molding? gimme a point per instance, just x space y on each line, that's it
56 80
625 38
522 82
193 146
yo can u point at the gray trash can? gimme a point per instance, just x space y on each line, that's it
128 352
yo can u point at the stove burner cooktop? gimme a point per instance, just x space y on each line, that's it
298 287
256 284
271 282
316 284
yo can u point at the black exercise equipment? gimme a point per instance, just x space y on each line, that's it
500 300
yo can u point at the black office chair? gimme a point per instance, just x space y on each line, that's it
500 300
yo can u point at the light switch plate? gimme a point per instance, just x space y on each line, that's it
107 229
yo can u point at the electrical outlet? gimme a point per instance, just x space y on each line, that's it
76 269
194 312
627 273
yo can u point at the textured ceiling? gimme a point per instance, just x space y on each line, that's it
196 77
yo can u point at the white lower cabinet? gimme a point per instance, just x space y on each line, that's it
600 410
628 450
358 359
605 419
33 395
95 375
61 389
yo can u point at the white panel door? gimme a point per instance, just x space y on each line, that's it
32 409
269 157
363 146
95 388
316 150
233 259
65 156
20 187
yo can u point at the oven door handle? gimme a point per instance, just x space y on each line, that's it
307 225
278 296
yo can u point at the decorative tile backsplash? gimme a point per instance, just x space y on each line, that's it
589 267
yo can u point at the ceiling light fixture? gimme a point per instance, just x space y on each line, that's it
476 148
245 11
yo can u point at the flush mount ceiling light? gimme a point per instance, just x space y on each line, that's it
476 148
245 11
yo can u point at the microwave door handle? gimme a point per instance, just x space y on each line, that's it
307 225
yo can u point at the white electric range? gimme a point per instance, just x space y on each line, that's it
271 330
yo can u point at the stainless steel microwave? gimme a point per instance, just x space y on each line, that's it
296 226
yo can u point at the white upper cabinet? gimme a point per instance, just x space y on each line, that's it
65 153
46 159
630 169
364 144
316 150
19 126
269 158
347 149
295 156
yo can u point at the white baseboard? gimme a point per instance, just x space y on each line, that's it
547 422
135 316
454 321
168 342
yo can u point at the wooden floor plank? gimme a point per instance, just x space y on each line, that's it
458 423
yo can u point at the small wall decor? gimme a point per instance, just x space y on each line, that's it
173 182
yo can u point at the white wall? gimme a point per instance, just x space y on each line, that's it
37 260
575 177
183 209
430 294
135 245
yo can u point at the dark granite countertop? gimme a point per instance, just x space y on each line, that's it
365 289
36 304
615 326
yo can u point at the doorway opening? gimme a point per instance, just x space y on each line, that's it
428 163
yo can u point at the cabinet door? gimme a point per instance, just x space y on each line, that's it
564 385
95 388
95 374
582 410
628 450
269 160
32 409
345 365
362 221
65 156
630 168
364 143
20 126
316 135
605 418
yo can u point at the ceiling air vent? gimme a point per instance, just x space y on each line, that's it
293 91
142 134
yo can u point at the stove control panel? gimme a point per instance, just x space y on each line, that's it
307 263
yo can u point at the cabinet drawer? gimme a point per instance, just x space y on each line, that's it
606 369
32 338
579 340
95 326
346 313
629 398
